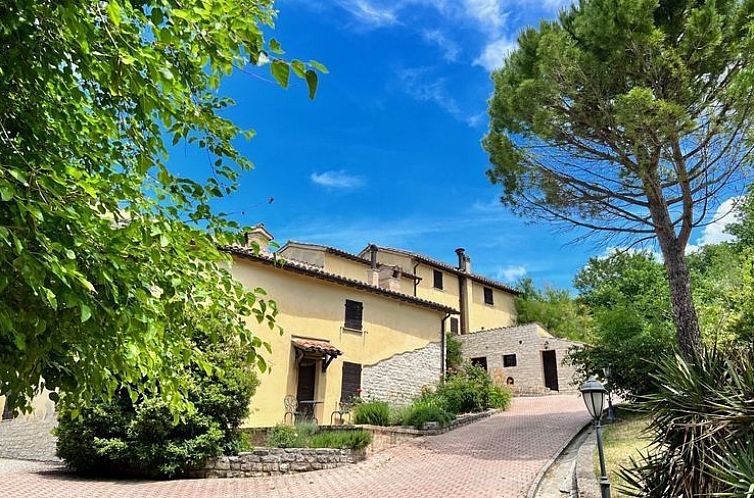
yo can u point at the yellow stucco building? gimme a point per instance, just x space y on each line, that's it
371 324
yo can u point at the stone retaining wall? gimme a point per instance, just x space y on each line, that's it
399 379
275 461
28 437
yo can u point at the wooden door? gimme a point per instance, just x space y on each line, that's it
307 375
550 365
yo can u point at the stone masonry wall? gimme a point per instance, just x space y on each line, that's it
400 378
28 437
274 461
527 342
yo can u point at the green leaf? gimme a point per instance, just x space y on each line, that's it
311 82
280 72
113 13
275 47
318 66
86 313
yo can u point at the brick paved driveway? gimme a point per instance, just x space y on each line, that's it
496 457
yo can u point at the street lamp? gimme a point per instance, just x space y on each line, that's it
593 393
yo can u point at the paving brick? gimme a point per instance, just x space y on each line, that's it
496 457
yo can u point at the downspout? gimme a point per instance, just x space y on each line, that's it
416 282
462 290
443 347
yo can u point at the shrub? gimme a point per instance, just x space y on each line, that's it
466 391
398 414
453 353
372 413
353 439
702 429
427 411
144 437
500 397
283 436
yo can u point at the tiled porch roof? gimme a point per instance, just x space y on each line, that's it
312 346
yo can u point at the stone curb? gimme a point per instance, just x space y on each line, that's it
534 486
586 480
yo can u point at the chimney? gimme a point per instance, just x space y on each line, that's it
464 265
259 236
464 262
390 278
373 277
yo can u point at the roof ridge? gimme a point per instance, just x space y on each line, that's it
295 264
449 266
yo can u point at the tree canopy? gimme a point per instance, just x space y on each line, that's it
629 119
108 259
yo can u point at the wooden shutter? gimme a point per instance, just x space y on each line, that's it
454 325
488 298
351 383
354 314
437 275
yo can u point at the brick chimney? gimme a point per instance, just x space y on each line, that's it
261 236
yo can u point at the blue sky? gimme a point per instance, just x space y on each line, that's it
389 151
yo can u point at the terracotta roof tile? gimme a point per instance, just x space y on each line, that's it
310 345
318 272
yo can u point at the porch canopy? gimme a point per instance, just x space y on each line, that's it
319 349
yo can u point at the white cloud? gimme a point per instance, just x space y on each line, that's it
495 52
450 49
714 233
488 13
340 179
370 13
476 119
510 273
419 84
490 206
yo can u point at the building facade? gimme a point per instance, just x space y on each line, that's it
526 358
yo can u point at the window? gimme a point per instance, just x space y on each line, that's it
509 360
354 313
454 325
480 362
488 297
437 274
350 386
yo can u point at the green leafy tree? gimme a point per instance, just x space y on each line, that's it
626 118
555 309
108 259
628 298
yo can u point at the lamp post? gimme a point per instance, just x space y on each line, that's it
608 371
593 393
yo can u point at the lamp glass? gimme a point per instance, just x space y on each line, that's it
595 403
594 397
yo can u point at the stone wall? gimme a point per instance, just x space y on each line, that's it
275 461
28 437
527 342
399 379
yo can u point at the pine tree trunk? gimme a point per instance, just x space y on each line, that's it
673 250
684 313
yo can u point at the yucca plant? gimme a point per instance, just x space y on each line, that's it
703 404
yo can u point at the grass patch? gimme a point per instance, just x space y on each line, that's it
622 439
308 435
